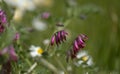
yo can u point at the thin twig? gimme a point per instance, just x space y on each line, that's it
49 65
31 68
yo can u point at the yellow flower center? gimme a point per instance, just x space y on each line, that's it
84 58
40 51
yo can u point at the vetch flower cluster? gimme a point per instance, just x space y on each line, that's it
36 51
3 20
59 37
78 44
11 52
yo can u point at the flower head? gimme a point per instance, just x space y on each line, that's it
84 59
36 51
17 36
59 37
3 20
45 15
11 52
78 44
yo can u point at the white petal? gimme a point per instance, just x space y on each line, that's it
90 62
33 54
80 62
81 54
32 47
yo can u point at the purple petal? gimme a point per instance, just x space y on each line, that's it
17 36
2 16
45 15
4 51
83 36
59 37
12 53
76 45
64 35
56 39
53 40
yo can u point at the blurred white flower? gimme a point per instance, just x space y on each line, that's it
39 25
46 41
85 60
36 51
22 4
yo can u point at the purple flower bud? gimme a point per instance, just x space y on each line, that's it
10 51
3 20
58 37
45 15
13 56
17 36
2 17
52 40
75 45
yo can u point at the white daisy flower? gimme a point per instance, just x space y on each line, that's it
36 51
85 60
39 25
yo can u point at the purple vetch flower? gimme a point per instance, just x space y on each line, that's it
7 66
3 20
11 53
59 37
45 15
78 44
17 36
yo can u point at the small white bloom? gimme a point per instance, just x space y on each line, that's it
39 25
36 51
85 60
46 41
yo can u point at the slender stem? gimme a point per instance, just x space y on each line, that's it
61 65
31 68
49 65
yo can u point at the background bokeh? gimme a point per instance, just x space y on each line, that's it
98 19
